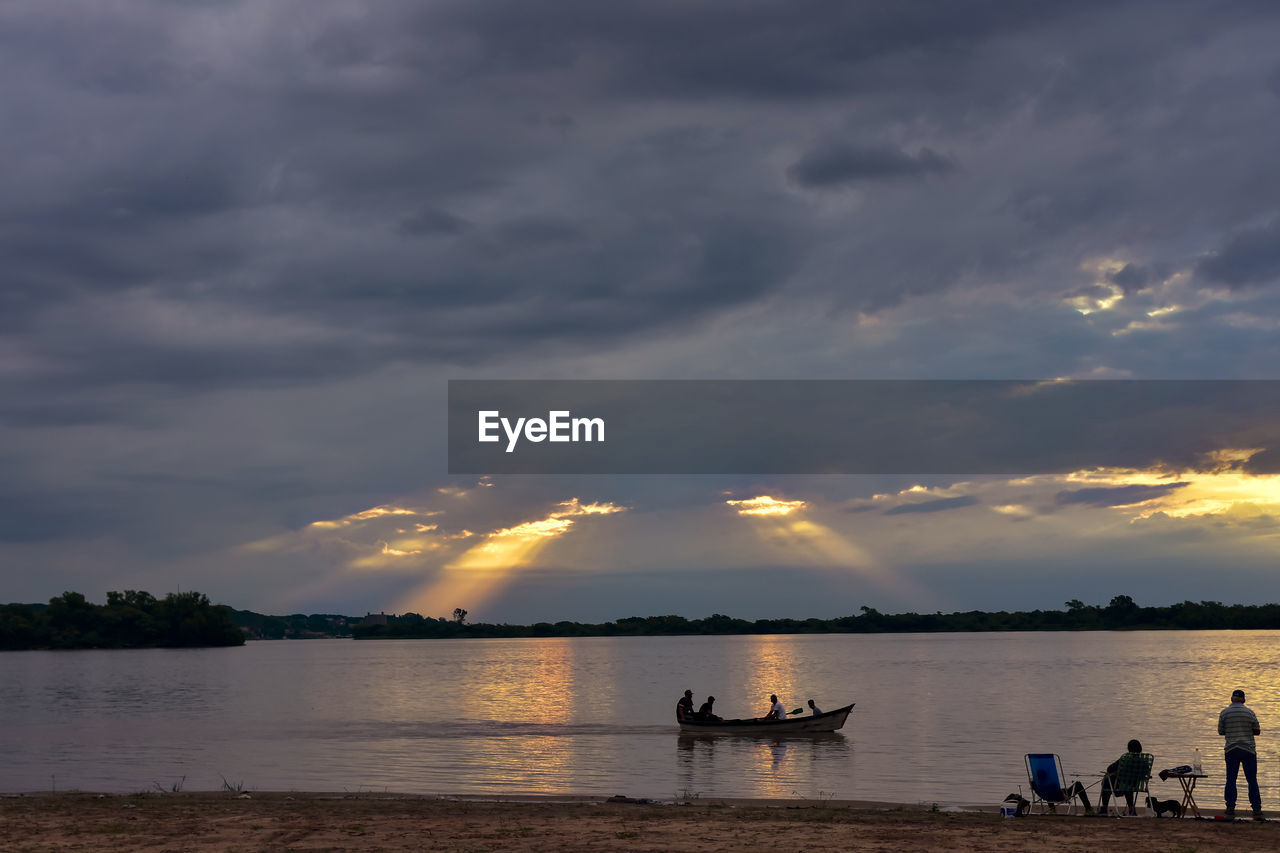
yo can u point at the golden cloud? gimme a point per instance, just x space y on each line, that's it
766 505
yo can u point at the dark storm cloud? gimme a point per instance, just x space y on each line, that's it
431 220
1132 278
276 206
836 165
1109 496
439 184
939 505
31 516
1264 462
265 192
809 49
74 410
1250 258
538 229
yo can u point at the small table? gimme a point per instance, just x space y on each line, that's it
1188 782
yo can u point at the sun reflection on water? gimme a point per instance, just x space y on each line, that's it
593 715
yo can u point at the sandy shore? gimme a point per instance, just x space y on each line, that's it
368 822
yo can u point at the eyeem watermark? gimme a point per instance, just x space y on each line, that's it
916 427
559 426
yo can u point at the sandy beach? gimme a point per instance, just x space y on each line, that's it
369 822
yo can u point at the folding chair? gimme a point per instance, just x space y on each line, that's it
1133 778
1048 786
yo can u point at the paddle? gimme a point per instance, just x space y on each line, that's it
797 711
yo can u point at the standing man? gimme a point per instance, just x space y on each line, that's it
1238 725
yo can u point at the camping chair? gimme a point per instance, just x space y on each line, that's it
1133 777
1048 786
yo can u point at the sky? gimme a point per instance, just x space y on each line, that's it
245 245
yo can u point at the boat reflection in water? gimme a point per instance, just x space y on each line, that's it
789 766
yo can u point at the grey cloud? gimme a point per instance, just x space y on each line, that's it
1132 277
430 220
811 49
355 121
49 516
207 203
1093 291
1061 202
278 222
838 165
1263 462
939 505
1250 258
48 410
1109 496
538 229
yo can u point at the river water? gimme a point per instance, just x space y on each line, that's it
940 718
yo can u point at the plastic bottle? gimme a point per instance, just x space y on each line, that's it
1195 762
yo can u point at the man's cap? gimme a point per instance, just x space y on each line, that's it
1238 694
690 693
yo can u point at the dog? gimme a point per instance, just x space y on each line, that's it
1162 806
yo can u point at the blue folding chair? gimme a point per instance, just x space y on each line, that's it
1048 786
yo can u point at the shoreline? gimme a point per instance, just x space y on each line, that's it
529 799
226 821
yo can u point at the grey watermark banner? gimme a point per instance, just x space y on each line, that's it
915 427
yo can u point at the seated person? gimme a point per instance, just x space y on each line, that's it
684 708
1124 776
1045 788
816 710
776 711
705 712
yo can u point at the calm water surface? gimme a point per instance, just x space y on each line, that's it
939 717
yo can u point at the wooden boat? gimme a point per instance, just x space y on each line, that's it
828 721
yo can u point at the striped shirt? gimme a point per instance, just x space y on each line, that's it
1238 724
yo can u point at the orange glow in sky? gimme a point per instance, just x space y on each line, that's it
483 569
766 505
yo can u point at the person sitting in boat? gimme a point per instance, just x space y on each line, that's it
776 711
684 708
816 710
705 712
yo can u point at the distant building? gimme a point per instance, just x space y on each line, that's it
375 619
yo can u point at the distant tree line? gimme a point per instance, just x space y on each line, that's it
295 626
133 619
129 619
1122 614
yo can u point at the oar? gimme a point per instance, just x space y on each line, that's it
797 711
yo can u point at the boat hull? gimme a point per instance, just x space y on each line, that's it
829 721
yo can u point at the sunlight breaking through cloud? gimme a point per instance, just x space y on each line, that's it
513 547
482 570
800 541
766 505
374 512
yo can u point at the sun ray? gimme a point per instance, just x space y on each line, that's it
799 540
481 571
